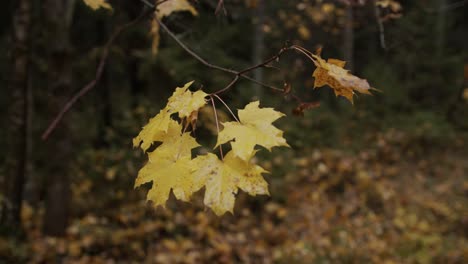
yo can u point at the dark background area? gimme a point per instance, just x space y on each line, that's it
382 181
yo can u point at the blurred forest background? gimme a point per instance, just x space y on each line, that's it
383 181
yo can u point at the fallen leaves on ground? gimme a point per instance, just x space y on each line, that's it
383 204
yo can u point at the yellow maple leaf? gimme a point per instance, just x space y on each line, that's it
224 178
342 82
96 4
183 101
156 128
163 10
170 167
255 128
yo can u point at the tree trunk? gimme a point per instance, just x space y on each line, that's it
348 38
258 45
57 15
440 28
17 162
104 102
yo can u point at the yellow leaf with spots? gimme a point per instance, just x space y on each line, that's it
255 128
342 82
170 167
96 4
223 179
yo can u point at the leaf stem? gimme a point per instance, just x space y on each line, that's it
227 107
304 51
217 125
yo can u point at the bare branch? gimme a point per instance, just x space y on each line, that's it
118 31
99 71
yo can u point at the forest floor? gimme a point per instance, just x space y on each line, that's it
395 201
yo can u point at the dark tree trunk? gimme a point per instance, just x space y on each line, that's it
348 38
57 15
258 44
104 102
440 28
17 158
136 85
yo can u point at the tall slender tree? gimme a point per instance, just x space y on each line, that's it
57 16
17 158
259 42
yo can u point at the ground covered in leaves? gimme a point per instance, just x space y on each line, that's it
393 201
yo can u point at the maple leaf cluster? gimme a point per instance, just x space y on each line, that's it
171 165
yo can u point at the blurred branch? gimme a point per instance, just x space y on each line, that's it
380 25
219 7
100 69
216 67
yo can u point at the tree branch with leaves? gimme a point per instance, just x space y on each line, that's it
171 165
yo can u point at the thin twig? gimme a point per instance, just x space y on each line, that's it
191 52
217 124
99 71
119 30
227 107
213 66
228 86
216 67
251 68
307 53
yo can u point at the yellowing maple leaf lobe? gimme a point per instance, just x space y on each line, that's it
224 178
255 128
170 167
185 102
165 9
342 82
156 129
96 4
